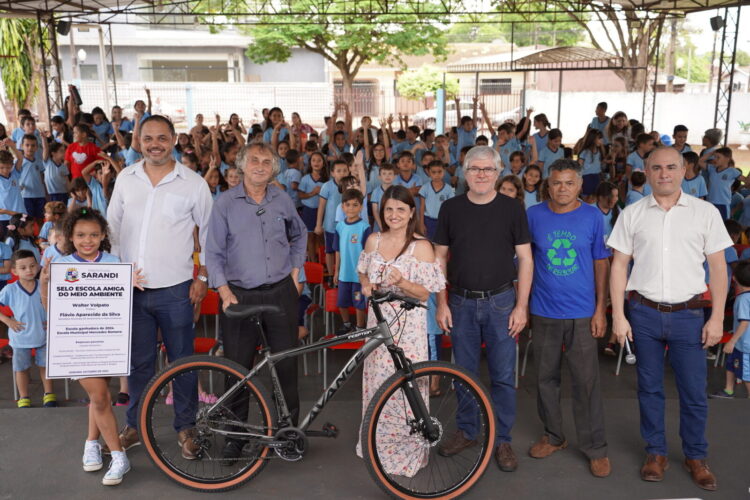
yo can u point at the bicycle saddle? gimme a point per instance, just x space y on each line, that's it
236 311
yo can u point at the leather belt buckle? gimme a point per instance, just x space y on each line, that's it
665 308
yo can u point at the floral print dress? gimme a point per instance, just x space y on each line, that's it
410 333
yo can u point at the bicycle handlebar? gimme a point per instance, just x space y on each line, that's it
379 297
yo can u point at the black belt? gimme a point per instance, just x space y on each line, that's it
263 287
479 294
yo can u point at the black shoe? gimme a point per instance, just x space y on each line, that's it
344 330
232 452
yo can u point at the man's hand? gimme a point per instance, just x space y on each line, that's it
519 316
318 230
621 329
227 298
598 324
443 317
712 332
198 291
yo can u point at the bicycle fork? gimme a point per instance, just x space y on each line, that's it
413 396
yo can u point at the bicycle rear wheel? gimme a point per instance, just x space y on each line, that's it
171 401
402 460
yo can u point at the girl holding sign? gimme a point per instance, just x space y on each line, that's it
85 240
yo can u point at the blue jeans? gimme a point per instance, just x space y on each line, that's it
486 320
653 331
167 310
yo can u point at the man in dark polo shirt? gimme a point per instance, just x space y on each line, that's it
482 231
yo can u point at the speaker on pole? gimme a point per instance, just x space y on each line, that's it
717 22
63 27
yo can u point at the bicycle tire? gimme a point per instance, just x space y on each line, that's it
375 410
151 396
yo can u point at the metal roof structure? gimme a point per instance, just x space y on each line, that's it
553 59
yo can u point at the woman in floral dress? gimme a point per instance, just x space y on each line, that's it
398 259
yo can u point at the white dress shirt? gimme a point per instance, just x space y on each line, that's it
669 247
152 226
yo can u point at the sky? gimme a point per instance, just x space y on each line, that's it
704 40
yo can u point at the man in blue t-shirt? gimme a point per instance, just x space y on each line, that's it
568 304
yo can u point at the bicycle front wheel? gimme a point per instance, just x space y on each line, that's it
397 453
184 395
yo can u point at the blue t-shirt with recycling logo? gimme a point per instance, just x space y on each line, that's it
565 247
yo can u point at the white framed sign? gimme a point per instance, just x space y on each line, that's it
89 319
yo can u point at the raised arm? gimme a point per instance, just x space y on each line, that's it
474 101
215 154
386 138
348 122
135 143
457 100
486 118
45 144
526 125
148 99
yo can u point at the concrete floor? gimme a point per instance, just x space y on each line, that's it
40 451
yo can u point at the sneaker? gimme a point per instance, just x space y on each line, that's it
170 399
710 356
219 351
207 398
24 403
92 456
128 439
118 467
344 330
123 399
610 350
49 400
722 394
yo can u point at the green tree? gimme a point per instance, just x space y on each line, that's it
20 67
348 34
416 84
542 29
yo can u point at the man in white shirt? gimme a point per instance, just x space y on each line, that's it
155 206
669 235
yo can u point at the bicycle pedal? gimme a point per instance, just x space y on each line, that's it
329 430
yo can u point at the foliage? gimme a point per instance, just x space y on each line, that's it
545 29
348 34
415 84
17 68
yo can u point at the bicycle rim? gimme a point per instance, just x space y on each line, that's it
169 403
407 465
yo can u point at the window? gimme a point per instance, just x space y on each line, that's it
89 71
118 71
185 71
494 86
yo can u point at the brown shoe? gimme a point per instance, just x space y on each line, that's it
600 467
128 439
455 444
186 440
543 448
505 458
654 467
701 474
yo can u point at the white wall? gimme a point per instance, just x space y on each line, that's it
695 111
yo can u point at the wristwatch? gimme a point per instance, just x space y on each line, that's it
204 279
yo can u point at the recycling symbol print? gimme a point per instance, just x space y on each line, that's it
562 257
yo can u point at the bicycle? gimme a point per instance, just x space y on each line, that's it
400 418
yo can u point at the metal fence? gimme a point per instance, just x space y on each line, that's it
313 101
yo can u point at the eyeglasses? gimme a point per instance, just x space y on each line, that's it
484 171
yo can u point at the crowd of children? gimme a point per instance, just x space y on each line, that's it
52 181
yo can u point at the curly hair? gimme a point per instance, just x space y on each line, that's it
84 214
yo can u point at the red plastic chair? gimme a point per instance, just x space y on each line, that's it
314 274
13 278
210 307
322 255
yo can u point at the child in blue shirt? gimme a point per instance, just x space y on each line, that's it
601 120
638 181
590 159
433 194
5 264
386 174
349 241
26 328
98 175
33 189
85 235
292 176
406 176
56 173
551 152
56 239
532 184
693 183
737 348
721 176
680 135
636 160
542 125
329 199
11 200
53 212
466 132
21 235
